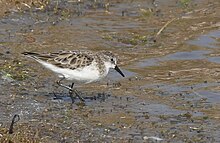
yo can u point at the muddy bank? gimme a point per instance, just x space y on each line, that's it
170 92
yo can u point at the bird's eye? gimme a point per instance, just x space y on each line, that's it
112 60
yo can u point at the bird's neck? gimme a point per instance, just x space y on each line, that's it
107 66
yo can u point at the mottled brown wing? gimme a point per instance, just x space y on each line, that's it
70 59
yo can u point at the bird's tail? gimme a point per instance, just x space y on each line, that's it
31 55
38 57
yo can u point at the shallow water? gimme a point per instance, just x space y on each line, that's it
193 55
207 40
213 97
170 90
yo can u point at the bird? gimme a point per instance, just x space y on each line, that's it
78 66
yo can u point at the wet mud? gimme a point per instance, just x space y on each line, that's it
168 51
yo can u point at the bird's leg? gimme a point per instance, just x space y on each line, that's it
76 93
71 96
62 85
67 87
71 90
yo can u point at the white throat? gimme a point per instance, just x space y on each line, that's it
108 65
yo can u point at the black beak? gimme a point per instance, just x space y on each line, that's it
118 70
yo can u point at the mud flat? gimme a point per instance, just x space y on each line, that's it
169 52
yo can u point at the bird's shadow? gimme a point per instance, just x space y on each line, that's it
88 97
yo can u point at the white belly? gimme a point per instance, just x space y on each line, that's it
87 74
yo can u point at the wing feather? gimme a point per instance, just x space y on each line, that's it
65 59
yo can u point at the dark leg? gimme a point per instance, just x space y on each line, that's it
71 96
62 85
71 90
71 93
76 92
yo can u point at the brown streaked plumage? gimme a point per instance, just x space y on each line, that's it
85 66
65 59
